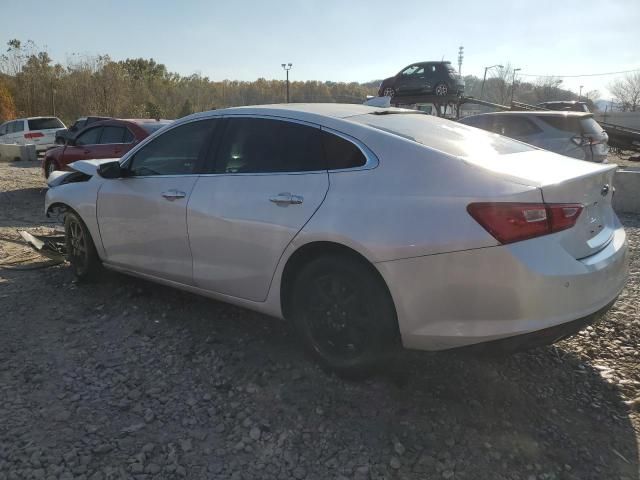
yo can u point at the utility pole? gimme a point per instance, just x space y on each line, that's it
513 83
460 57
580 94
287 67
485 77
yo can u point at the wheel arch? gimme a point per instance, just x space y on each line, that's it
312 250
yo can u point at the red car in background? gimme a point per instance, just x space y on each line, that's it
105 139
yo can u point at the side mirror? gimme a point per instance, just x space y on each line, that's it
110 170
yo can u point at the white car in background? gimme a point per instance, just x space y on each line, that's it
40 131
366 227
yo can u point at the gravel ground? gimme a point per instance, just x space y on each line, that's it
127 379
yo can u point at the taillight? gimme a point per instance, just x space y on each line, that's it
583 141
33 135
513 222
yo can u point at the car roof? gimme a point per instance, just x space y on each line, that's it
299 111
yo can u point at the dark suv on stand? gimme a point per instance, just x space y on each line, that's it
431 78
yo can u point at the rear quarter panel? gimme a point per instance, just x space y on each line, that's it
412 204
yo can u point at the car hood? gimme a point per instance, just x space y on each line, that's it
388 81
88 167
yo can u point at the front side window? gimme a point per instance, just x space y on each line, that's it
413 70
112 135
258 145
175 152
89 137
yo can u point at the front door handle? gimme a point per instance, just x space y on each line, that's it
173 194
286 199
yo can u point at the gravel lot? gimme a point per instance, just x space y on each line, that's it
127 379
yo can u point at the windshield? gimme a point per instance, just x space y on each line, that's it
444 135
45 123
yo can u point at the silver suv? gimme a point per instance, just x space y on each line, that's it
574 134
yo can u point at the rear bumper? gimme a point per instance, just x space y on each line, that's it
477 296
539 338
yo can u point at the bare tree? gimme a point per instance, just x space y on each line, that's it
626 90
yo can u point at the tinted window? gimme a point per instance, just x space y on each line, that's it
568 124
89 137
112 135
128 136
174 152
45 123
513 126
17 126
341 153
257 145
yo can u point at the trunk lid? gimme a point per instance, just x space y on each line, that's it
564 180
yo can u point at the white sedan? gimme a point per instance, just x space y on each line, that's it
368 228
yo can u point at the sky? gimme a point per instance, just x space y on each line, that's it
340 40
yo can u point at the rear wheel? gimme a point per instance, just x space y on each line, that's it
81 252
388 92
441 89
344 314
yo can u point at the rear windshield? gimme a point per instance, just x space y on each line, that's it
444 135
571 124
45 123
152 127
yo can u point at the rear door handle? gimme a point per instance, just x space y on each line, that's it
173 194
286 199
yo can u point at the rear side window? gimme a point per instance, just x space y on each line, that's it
3 129
45 123
341 153
89 137
128 136
17 126
259 145
112 135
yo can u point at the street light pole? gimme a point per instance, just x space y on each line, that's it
287 67
485 77
513 83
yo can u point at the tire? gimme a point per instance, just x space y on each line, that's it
81 251
344 314
441 89
49 169
388 92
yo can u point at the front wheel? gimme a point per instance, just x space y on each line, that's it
344 314
50 168
441 89
81 252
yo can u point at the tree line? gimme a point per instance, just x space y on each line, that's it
32 84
